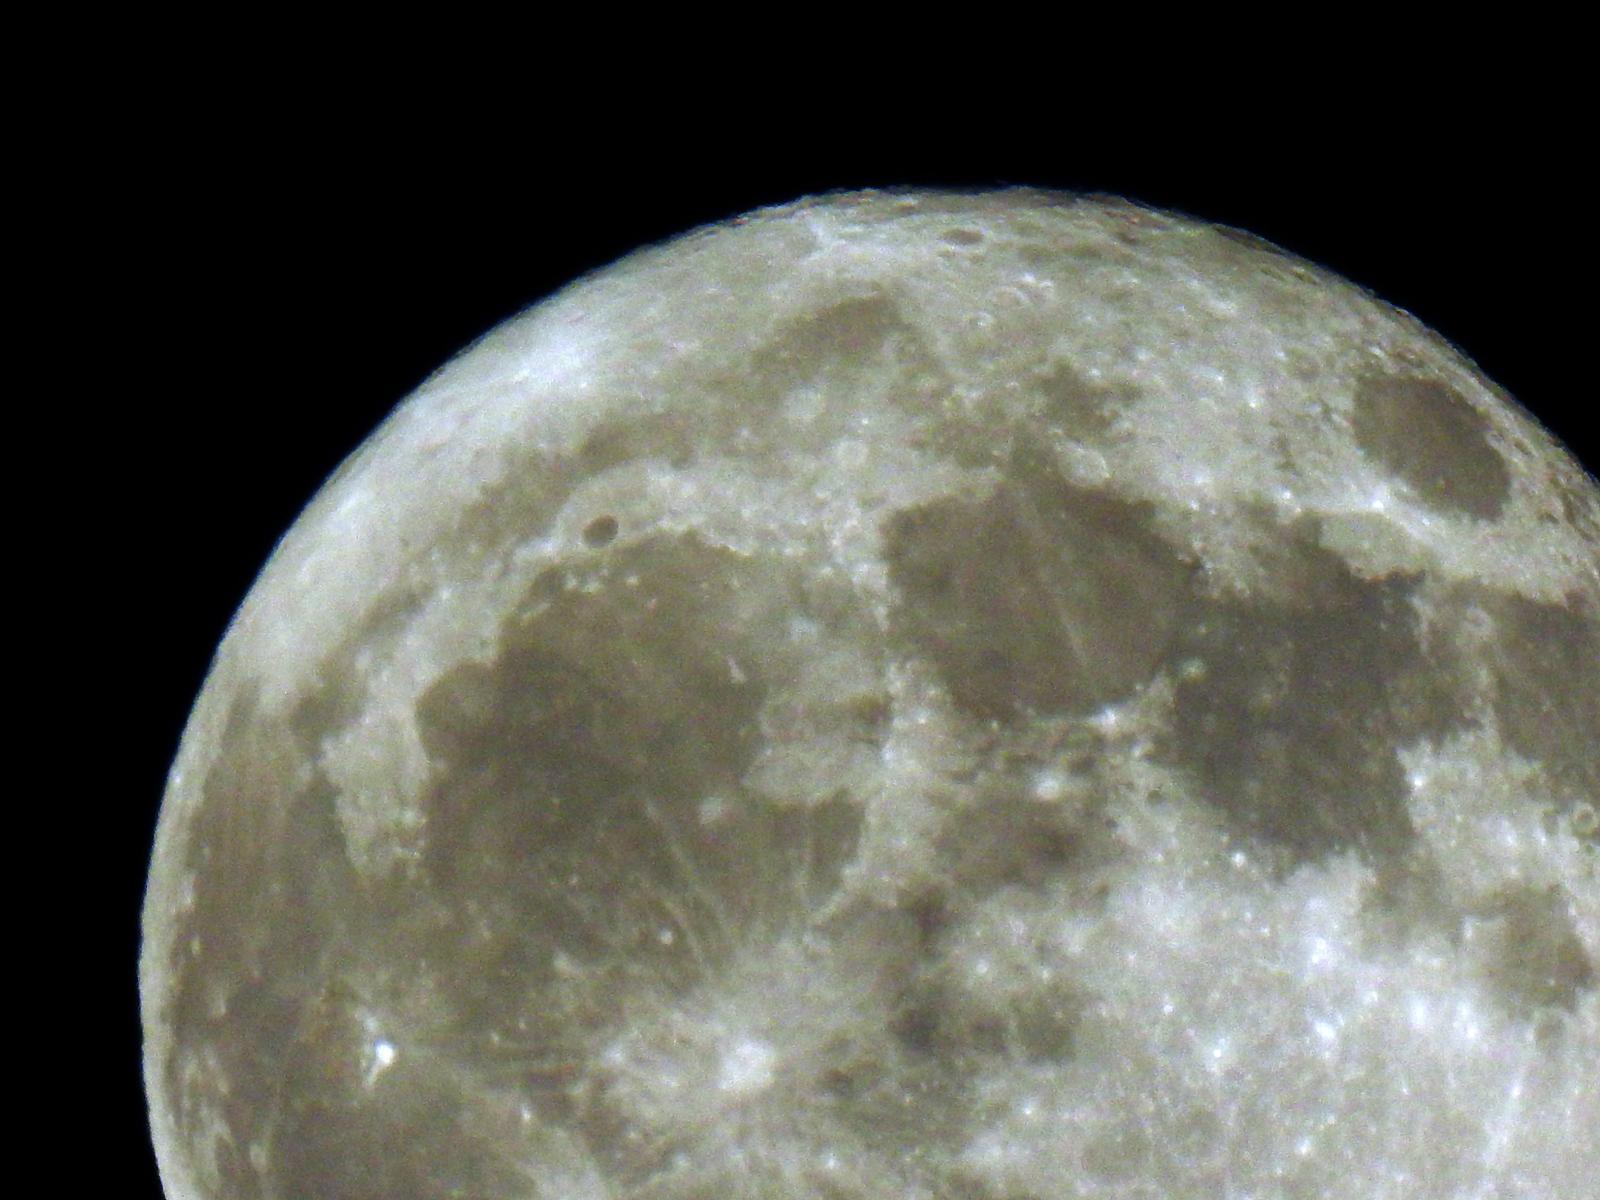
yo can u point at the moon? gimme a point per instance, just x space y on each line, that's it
945 696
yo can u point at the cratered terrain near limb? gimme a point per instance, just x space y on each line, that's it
917 695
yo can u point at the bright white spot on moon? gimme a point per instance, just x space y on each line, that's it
926 696
747 1066
383 1055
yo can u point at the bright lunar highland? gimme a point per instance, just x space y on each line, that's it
909 696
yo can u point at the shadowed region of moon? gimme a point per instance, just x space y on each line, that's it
955 697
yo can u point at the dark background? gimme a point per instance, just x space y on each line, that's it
290 276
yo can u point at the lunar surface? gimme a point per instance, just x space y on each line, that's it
906 697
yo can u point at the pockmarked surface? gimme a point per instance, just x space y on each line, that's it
932 697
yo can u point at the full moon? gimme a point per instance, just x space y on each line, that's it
905 696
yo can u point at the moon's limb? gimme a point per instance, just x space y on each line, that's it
944 696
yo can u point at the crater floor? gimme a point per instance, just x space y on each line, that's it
931 697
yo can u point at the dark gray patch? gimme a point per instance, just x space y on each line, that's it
1083 410
531 489
1538 959
852 329
638 436
1546 665
1292 725
1040 598
600 532
962 237
941 1021
1424 432
897 1113
1009 839
1410 903
838 349
575 758
828 357
570 817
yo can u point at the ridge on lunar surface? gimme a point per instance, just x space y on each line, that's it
946 697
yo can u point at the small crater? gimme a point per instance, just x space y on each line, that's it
600 532
962 237
1428 435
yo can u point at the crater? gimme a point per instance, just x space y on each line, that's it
784 1057
1425 433
1040 598
600 532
